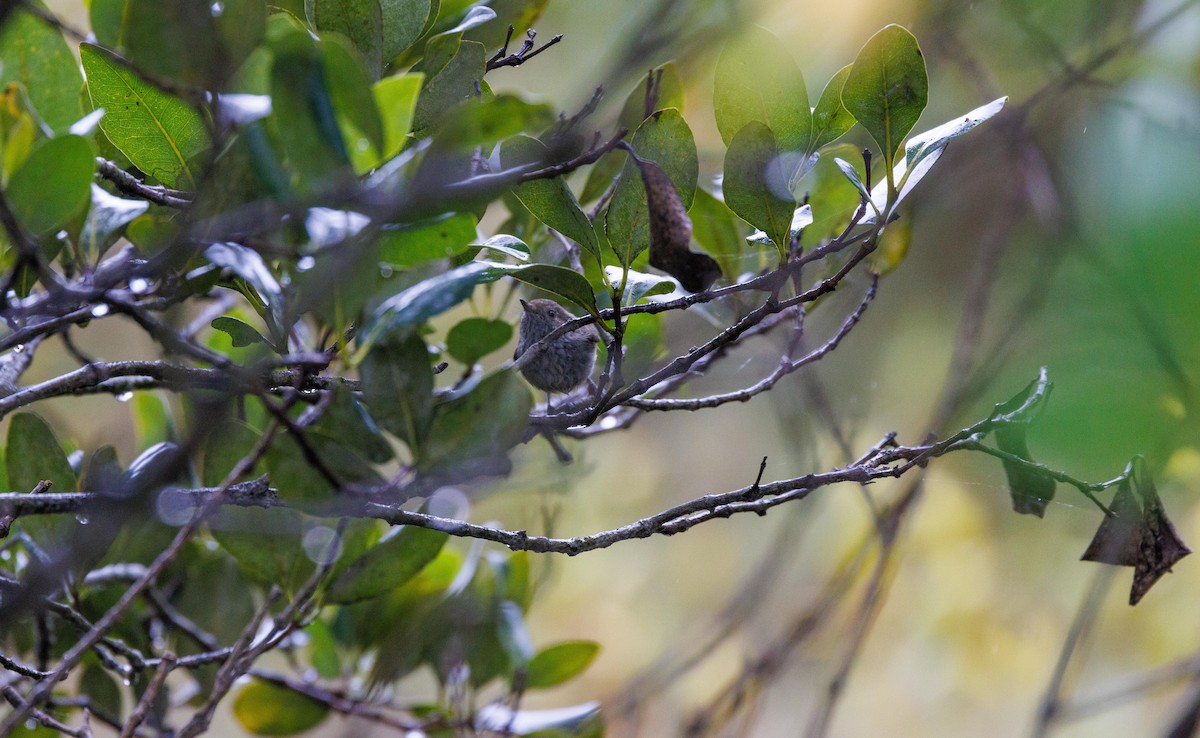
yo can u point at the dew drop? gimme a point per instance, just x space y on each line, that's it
386 271
82 519
61 235
305 263
100 311
19 347
217 9
139 286
125 397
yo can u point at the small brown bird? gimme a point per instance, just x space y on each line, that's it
568 360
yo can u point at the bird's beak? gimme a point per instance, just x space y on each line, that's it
525 306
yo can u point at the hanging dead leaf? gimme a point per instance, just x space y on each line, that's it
1117 539
1159 546
671 231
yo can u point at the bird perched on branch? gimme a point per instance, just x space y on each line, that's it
567 361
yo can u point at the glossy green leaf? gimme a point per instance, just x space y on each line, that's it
471 434
887 88
558 663
404 22
507 245
473 338
361 21
831 119
159 133
239 332
715 227
53 184
758 80
755 184
559 280
638 284
430 297
665 139
397 384
250 266
388 565
455 82
550 200
801 219
669 94
106 218
264 708
37 56
33 454
853 177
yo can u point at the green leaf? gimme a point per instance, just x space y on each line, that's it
161 134
669 95
665 139
801 219
33 454
152 419
269 709
755 184
388 565
107 216
265 543
455 82
834 199
396 99
241 333
224 448
477 122
303 114
361 21
348 421
757 80
831 119
550 200
101 688
428 298
472 434
437 238
472 339
887 88
561 281
397 384
556 664
854 177
53 184
37 56
715 227
352 95
404 22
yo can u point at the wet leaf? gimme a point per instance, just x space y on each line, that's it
472 339
550 200
397 384
758 80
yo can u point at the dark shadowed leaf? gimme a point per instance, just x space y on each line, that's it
397 379
1031 490
755 184
716 228
34 454
472 339
559 280
1159 546
472 434
239 332
454 83
265 543
361 21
